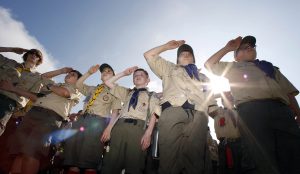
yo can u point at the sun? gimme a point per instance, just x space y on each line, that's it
219 84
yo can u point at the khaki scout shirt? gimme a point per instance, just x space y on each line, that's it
249 83
29 81
228 130
61 105
141 110
178 87
104 103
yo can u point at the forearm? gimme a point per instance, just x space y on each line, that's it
24 93
79 82
52 74
111 82
6 49
154 52
61 91
114 118
151 124
216 57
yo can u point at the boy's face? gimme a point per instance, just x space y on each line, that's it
71 78
246 53
185 58
140 79
32 59
106 74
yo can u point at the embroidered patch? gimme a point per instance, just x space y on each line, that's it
105 97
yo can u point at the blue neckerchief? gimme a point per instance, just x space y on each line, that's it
134 98
192 71
266 67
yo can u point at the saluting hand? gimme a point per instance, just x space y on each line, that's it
130 70
18 50
174 44
94 69
234 44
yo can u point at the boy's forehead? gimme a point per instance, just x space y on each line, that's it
107 69
139 73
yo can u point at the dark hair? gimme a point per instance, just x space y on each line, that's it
141 69
78 73
36 52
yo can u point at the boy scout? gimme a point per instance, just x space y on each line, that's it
84 150
26 79
262 96
129 139
48 112
22 75
183 122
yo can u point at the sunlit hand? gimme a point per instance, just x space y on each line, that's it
94 69
130 70
106 135
174 44
146 140
234 44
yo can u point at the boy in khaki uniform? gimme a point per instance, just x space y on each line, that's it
262 96
183 122
31 140
129 139
84 150
24 77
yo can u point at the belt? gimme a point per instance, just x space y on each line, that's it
54 114
186 105
132 121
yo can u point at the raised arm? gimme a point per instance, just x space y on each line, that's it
111 82
92 70
13 50
154 52
55 73
232 45
61 91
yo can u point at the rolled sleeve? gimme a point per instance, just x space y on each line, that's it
160 66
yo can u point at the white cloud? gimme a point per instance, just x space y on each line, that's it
155 85
14 34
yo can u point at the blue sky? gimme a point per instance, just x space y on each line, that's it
83 33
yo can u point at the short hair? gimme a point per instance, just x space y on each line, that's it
143 70
78 73
37 52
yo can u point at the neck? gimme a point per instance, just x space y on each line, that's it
140 86
28 65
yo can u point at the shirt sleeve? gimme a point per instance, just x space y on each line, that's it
86 90
220 68
160 66
285 84
154 105
120 92
74 92
116 104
